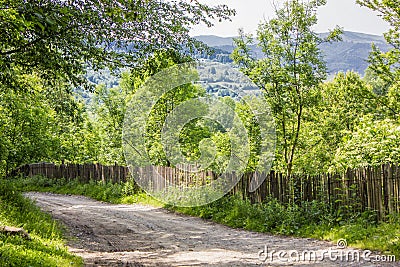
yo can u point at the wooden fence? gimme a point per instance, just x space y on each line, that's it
83 172
376 188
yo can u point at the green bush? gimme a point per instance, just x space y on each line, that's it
308 219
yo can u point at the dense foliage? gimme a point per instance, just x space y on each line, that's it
41 124
322 126
45 49
291 68
60 39
385 65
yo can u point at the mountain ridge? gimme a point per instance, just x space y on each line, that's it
349 54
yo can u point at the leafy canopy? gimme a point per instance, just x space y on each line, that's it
386 65
59 38
292 65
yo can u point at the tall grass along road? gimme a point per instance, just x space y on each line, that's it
138 235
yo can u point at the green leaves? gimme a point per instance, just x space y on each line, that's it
60 38
386 65
374 142
291 67
51 44
41 124
27 127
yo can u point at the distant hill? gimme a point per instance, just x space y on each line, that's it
350 54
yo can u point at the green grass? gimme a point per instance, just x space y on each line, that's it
308 219
123 193
46 247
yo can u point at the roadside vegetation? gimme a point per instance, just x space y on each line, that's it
46 246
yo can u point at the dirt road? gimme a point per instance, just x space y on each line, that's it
137 235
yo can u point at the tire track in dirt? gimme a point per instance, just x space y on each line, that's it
136 235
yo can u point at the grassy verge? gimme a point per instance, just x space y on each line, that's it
309 219
46 247
124 193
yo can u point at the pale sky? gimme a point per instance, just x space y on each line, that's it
345 13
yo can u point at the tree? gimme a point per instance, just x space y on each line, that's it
29 129
386 65
107 114
109 106
43 124
379 86
58 38
292 65
374 142
340 106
